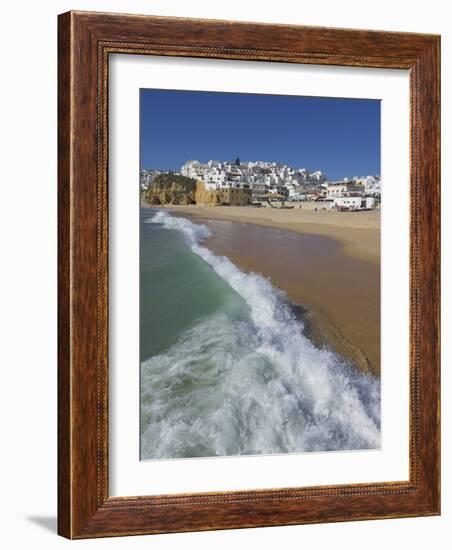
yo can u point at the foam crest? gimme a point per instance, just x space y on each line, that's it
249 386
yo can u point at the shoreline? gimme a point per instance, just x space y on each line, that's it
335 285
358 232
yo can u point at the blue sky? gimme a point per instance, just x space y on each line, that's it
339 136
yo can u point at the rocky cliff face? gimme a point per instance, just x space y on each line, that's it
204 196
171 189
229 196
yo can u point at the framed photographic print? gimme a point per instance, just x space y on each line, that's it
248 275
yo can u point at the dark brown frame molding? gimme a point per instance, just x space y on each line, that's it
85 42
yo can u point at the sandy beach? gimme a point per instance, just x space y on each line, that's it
358 232
328 263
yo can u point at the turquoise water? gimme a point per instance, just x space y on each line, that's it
225 366
177 288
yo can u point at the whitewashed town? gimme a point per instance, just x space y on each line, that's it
277 185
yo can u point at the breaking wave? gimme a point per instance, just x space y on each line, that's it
251 383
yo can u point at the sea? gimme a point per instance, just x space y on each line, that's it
227 368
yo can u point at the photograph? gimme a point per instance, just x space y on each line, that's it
259 274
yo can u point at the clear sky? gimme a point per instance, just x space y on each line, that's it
341 137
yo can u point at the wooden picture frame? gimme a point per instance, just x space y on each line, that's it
85 42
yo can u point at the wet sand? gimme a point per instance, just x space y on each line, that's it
336 292
358 232
339 294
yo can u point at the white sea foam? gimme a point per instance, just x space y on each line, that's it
250 386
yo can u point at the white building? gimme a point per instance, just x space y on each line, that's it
147 177
222 174
194 169
340 189
372 185
214 179
354 203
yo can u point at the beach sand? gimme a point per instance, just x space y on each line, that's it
359 232
328 263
